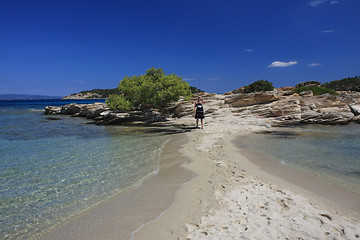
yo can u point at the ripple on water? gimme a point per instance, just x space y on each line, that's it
51 170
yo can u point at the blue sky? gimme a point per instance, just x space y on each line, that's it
62 47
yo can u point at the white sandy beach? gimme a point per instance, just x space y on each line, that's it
232 198
207 188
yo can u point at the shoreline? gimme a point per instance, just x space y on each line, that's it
305 183
222 193
128 212
233 197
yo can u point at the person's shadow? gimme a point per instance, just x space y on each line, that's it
189 128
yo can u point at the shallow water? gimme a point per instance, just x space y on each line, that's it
51 170
329 152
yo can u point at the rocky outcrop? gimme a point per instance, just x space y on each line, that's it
248 99
87 95
282 108
291 109
101 114
355 109
82 110
308 84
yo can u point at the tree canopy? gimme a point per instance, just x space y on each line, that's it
261 85
345 84
154 89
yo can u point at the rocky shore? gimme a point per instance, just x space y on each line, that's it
231 197
281 107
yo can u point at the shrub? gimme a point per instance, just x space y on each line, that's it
116 102
153 89
316 90
261 85
195 90
345 84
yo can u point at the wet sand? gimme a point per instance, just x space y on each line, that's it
122 215
303 182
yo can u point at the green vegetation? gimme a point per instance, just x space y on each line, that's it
153 89
345 84
195 90
316 90
258 86
104 93
118 102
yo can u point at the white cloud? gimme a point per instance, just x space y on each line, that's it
314 64
328 31
282 64
316 3
249 50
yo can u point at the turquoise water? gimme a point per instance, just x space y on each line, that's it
329 152
51 170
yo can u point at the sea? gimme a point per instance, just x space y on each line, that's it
52 169
330 152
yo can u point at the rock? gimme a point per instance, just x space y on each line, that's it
53 118
144 116
183 109
307 93
308 84
83 95
334 116
93 110
355 109
356 119
352 98
281 109
242 100
71 109
288 93
239 90
285 89
52 110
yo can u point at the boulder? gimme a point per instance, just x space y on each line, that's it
183 109
308 84
71 109
327 117
52 110
93 110
285 89
356 119
242 100
307 93
355 109
288 93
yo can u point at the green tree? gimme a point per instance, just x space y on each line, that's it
195 90
116 102
153 89
345 84
261 85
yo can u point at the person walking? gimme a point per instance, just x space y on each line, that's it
199 111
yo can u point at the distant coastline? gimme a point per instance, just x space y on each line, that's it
26 97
